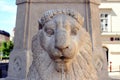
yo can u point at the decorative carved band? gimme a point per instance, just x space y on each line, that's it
57 1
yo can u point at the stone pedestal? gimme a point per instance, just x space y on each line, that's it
28 13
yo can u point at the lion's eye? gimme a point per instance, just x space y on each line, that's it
49 31
74 31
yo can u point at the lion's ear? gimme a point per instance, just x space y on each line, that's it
40 24
36 44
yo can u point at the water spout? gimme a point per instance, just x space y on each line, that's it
63 72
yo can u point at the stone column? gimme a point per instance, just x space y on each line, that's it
28 13
19 57
96 39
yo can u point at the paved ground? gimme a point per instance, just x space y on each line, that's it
2 78
114 75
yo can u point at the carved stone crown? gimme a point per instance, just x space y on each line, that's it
48 15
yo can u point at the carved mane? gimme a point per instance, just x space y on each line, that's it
81 68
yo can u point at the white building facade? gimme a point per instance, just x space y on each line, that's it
110 31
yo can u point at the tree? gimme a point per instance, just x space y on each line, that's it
6 48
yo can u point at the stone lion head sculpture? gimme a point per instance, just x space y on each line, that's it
62 46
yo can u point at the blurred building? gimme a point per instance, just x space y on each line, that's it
110 31
12 34
4 36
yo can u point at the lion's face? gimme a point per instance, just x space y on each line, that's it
62 44
60 37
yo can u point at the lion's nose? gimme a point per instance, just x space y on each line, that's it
62 40
61 48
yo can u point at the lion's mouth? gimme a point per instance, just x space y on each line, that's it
62 57
62 63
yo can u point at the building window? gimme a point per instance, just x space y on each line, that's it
104 17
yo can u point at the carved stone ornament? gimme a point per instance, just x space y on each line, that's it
17 65
62 48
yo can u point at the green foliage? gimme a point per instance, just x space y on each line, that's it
5 48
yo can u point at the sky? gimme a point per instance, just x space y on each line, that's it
7 15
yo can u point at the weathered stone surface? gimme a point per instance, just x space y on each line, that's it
100 59
28 13
62 44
